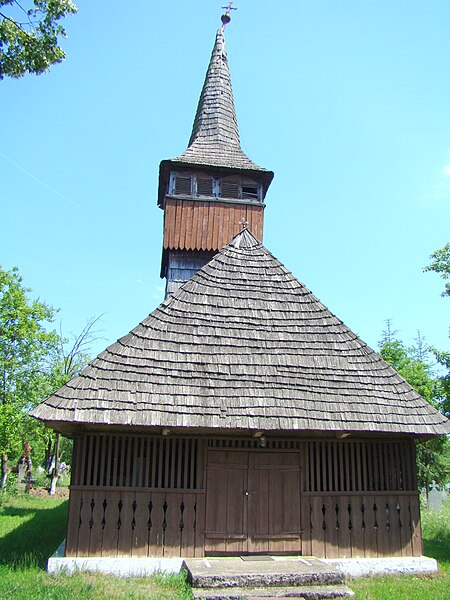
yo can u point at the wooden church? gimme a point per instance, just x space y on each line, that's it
241 416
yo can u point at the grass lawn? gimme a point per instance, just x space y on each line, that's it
32 528
436 544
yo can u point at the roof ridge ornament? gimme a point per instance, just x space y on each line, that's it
226 17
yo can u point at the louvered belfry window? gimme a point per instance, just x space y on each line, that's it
183 184
240 188
230 187
205 185
249 190
200 184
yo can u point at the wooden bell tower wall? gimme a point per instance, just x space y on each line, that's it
208 225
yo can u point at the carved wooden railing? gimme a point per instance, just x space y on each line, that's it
361 525
135 523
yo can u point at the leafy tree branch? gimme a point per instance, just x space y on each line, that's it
31 46
440 264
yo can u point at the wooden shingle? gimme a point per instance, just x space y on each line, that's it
243 345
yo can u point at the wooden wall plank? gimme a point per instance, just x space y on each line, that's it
200 521
188 532
331 532
178 225
95 511
73 523
226 234
156 538
139 541
214 225
110 531
305 512
83 528
317 532
415 528
356 533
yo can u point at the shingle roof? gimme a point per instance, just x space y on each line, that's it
215 135
243 345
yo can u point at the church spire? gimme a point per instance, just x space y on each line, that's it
214 140
215 121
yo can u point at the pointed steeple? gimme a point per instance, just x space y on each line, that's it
215 120
215 134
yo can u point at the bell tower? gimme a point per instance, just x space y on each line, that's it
212 189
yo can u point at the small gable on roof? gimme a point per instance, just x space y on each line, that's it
243 345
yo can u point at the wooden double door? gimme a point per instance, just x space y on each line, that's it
252 502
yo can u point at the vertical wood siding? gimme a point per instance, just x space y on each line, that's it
206 225
160 496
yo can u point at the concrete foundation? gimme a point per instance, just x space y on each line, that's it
143 567
125 566
364 567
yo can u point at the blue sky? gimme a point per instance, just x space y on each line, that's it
348 102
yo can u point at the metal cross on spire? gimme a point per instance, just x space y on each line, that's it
243 223
225 18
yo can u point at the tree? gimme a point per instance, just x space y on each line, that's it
415 366
29 36
66 364
35 360
441 264
26 348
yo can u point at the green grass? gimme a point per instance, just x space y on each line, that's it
436 544
32 528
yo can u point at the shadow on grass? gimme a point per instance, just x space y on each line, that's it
438 548
32 542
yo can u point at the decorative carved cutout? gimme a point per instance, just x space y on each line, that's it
336 510
181 516
398 509
80 520
149 522
105 506
388 517
133 520
91 520
119 520
164 523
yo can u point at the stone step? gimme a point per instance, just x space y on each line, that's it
235 572
273 593
268 580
